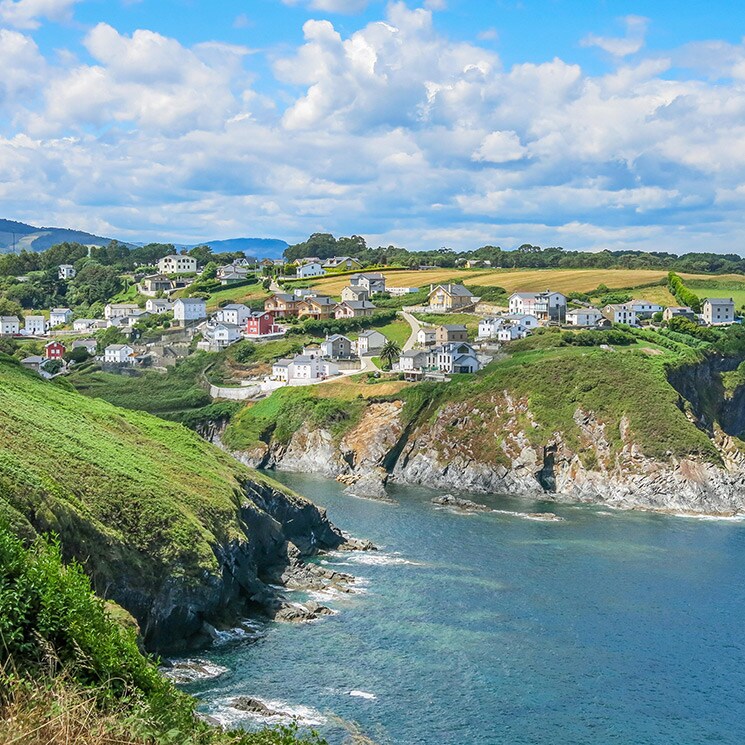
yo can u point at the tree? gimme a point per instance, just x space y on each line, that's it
95 283
391 350
210 271
77 355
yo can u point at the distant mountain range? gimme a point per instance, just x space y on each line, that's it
16 236
270 248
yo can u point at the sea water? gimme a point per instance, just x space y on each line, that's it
605 627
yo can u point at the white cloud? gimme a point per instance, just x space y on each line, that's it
631 43
26 14
500 147
392 131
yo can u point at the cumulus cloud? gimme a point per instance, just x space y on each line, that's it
392 130
26 14
631 43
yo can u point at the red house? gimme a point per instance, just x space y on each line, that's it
261 324
54 350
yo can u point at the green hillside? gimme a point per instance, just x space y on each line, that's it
155 513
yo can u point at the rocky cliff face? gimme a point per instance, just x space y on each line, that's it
459 450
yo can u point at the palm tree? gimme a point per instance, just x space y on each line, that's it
391 350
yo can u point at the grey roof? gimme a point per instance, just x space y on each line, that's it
453 326
719 300
192 300
84 343
123 305
321 300
34 359
233 306
61 310
370 332
413 353
459 290
338 336
282 363
284 296
358 304
117 347
302 359
9 319
368 275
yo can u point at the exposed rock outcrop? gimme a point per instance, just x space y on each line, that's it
459 450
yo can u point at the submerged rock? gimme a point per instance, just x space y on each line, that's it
253 706
457 503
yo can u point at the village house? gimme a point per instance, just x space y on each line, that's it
371 281
674 311
584 317
119 310
154 283
189 309
281 305
336 347
303 292
545 306
489 327
644 308
370 341
177 264
66 271
303 368
318 307
83 324
414 359
224 334
235 313
426 336
156 306
119 354
261 323
453 357
718 311
511 331
34 325
232 273
9 325
136 315
354 293
346 263
54 350
310 269
306 260
90 345
449 298
524 320
451 332
620 313
354 309
33 362
59 317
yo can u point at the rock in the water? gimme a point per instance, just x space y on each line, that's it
465 505
370 485
545 516
253 705
356 544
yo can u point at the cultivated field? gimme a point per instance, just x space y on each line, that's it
533 280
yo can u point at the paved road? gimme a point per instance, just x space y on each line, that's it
415 326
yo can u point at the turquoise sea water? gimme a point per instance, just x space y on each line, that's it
608 627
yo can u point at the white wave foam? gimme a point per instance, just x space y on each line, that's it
192 670
379 559
284 713
248 631
725 518
547 517
363 694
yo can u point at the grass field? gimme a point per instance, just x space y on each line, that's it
398 331
533 280
724 287
236 295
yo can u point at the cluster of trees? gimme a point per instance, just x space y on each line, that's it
682 294
325 326
324 245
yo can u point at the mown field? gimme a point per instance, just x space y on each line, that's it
533 280
724 287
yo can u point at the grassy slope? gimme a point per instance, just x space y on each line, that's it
555 380
119 486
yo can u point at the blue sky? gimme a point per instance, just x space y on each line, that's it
431 123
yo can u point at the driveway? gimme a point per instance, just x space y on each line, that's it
415 326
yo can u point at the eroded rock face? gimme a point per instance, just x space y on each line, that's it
462 449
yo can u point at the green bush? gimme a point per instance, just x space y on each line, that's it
682 294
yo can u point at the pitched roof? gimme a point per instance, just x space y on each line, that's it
284 362
451 289
370 332
9 319
60 310
234 306
453 326
334 337
720 300
358 304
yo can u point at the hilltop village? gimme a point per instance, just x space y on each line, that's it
335 316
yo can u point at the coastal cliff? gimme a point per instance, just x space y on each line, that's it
166 525
597 426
